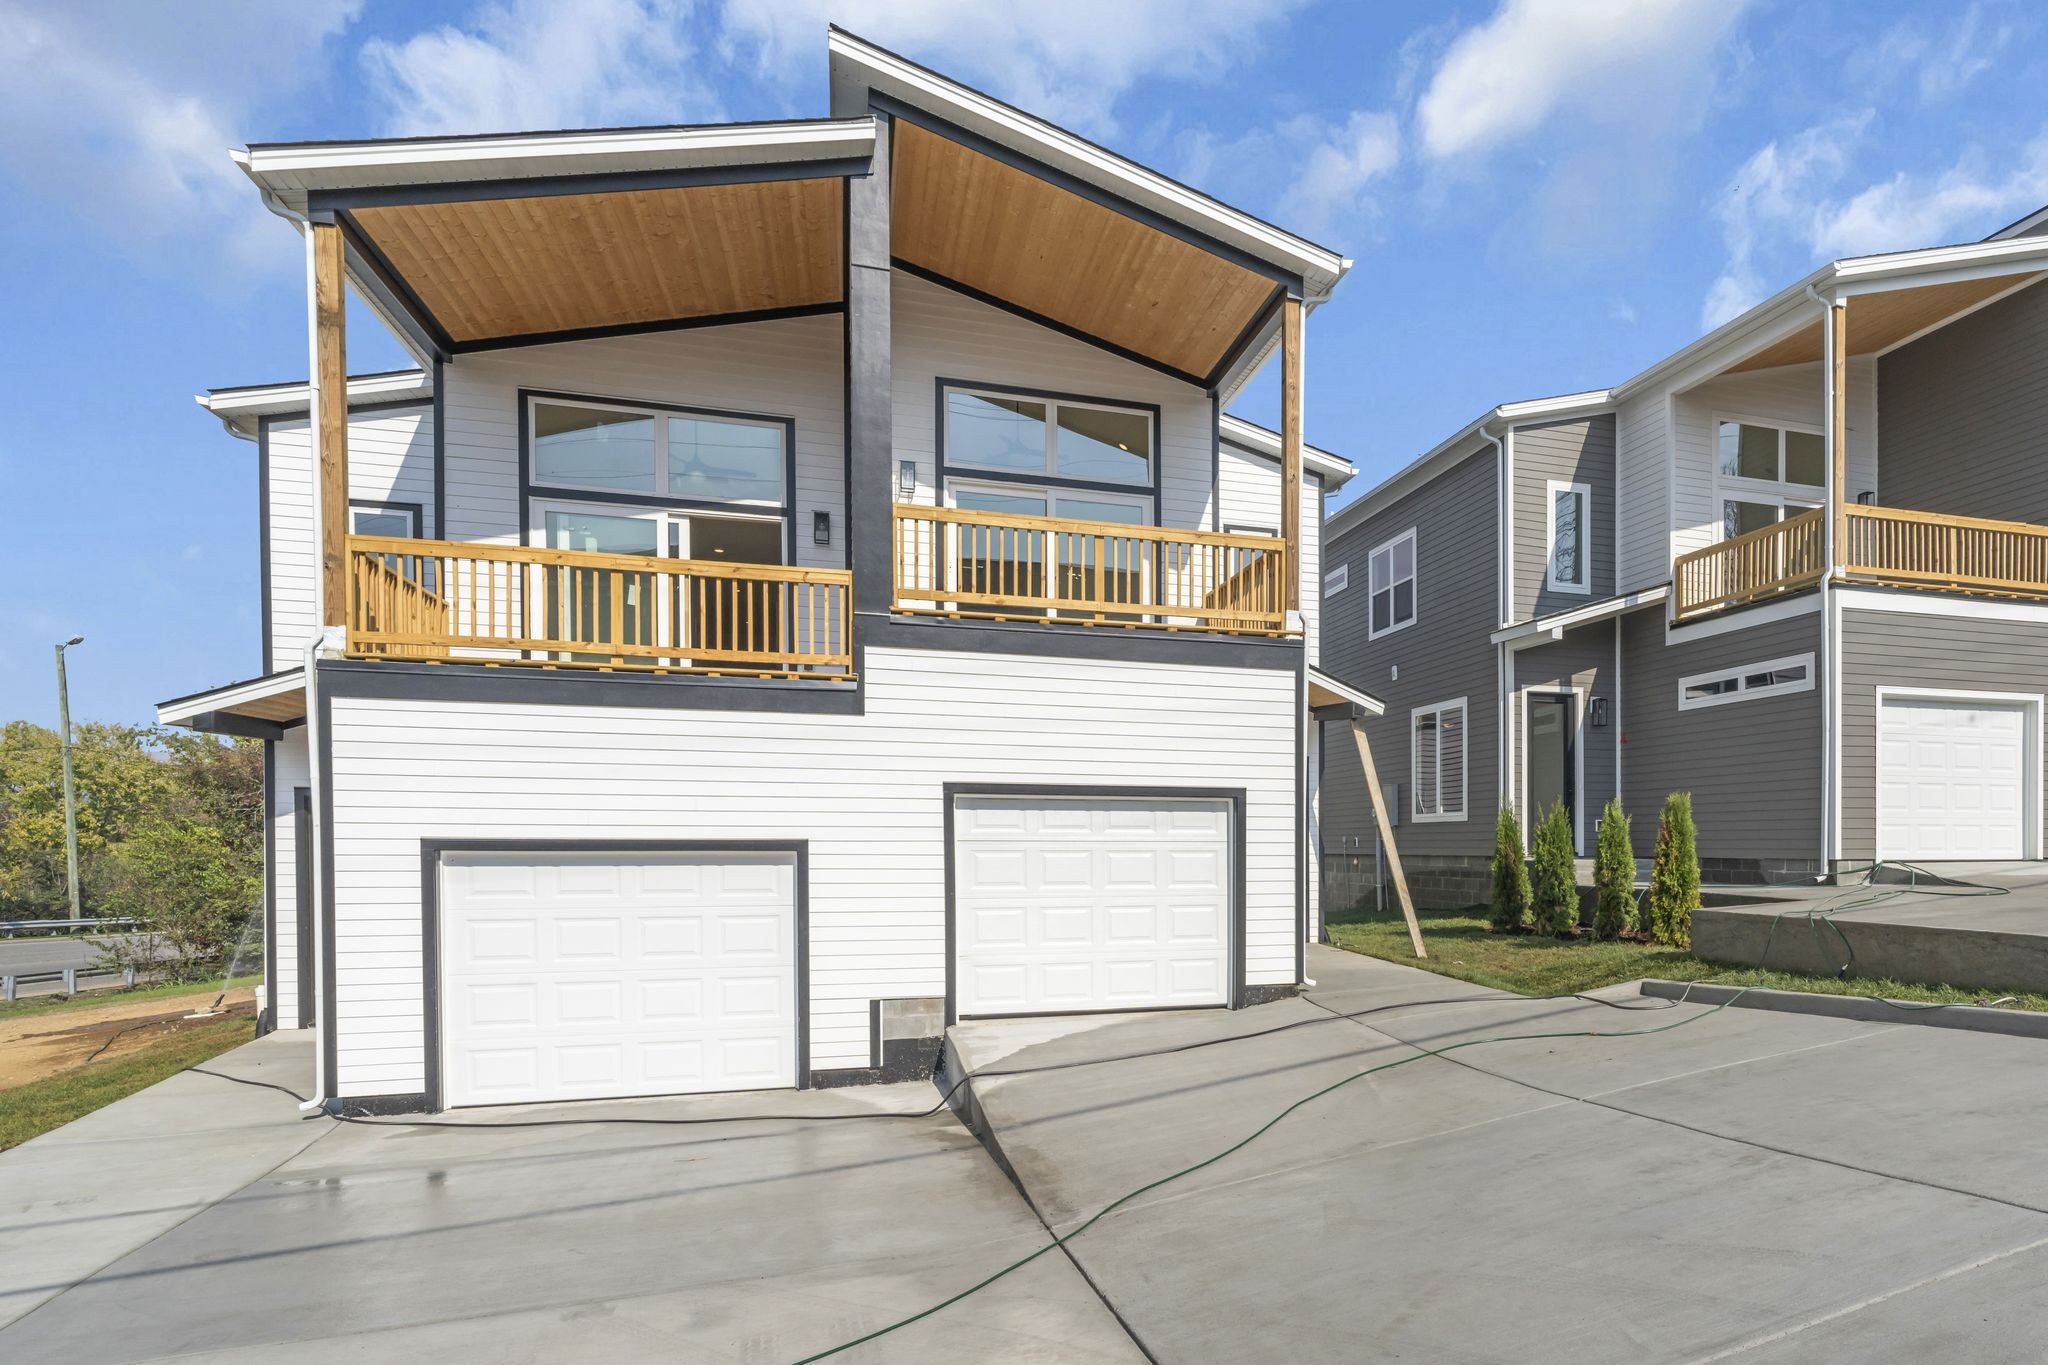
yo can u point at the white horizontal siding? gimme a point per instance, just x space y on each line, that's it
865 791
936 333
1250 494
290 770
390 459
1790 393
787 368
1642 507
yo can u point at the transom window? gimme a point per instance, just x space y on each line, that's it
1571 537
691 457
1050 438
1765 473
1747 682
1336 580
1438 761
1392 568
390 519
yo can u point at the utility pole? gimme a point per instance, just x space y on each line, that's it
70 796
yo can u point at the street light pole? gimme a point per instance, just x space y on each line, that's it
70 796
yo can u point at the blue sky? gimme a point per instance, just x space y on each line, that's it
1541 196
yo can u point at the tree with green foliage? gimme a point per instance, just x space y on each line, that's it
1675 873
1554 880
1510 874
1614 876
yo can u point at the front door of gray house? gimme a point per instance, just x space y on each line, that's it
1552 765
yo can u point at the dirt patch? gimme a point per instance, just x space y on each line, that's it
38 1045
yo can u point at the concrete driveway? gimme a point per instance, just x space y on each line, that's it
202 1218
1755 1186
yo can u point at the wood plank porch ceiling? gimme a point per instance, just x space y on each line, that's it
1878 322
504 268
972 219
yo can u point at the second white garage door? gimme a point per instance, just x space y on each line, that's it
1091 903
1952 779
597 975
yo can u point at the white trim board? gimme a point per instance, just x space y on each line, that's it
1741 618
1911 603
1543 629
2031 781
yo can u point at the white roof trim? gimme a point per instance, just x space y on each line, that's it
1364 700
1265 443
240 409
880 69
1560 621
182 709
290 171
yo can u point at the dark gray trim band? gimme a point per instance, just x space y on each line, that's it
1250 333
241 727
432 851
440 450
267 1014
474 684
1056 641
263 537
614 182
953 791
398 297
302 902
630 329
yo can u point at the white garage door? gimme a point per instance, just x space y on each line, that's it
1951 779
592 976
1090 904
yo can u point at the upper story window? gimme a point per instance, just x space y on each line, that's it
1044 437
1571 537
1336 580
1766 472
687 456
399 520
1392 567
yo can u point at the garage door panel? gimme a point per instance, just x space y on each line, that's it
1090 903
1952 779
656 974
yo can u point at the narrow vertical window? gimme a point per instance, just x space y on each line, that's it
1571 537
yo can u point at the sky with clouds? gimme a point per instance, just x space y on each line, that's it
1541 196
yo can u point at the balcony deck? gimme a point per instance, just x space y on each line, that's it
1882 546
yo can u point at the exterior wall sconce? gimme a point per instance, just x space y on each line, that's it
1597 713
906 477
821 528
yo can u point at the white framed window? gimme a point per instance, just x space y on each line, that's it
1765 472
1042 436
1749 682
1437 751
1568 512
400 520
690 457
1392 573
1336 580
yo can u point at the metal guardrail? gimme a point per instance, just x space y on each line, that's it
10 927
10 985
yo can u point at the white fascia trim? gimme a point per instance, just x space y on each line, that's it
1426 465
1910 603
1561 621
182 709
291 171
275 398
1742 618
1264 442
2022 227
1364 700
1319 267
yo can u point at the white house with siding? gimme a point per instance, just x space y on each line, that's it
808 592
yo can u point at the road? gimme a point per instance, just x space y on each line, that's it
22 956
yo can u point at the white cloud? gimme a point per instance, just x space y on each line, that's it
1786 209
124 115
1632 63
544 64
1940 64
1066 60
1312 175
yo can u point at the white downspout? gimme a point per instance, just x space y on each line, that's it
316 738
1830 706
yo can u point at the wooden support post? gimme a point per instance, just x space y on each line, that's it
1393 856
330 403
1290 447
1838 430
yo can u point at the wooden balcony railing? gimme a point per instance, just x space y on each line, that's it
1758 564
514 604
1893 546
999 566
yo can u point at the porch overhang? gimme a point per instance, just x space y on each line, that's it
1330 697
1552 627
258 708
1888 314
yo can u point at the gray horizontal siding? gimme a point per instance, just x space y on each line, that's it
1445 655
1888 649
1570 452
1753 767
1963 414
1584 658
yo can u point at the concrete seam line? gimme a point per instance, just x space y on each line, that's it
1833 1315
1730 1137
1745 1061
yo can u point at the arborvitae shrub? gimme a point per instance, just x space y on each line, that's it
1614 876
1675 873
1510 874
1554 882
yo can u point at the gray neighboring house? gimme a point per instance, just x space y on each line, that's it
1798 568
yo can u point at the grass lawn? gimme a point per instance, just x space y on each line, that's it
43 1004
39 1106
1461 945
